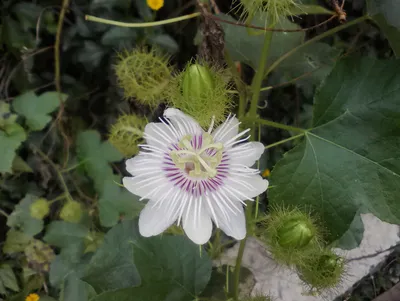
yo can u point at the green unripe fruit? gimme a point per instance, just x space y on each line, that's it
197 82
323 271
295 233
39 209
71 212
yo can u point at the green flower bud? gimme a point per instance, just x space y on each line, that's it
272 10
93 241
202 92
71 212
292 236
39 209
296 233
322 271
197 82
143 75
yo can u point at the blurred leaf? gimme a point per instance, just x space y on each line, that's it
307 9
15 37
170 267
67 236
19 165
21 219
144 10
16 242
6 117
112 266
350 158
36 109
90 55
166 42
120 37
7 279
39 256
116 201
96 156
65 275
352 238
390 10
110 4
390 32
27 14
246 47
10 139
310 65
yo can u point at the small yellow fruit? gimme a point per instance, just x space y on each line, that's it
71 212
40 208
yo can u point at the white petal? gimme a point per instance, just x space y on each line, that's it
227 130
197 222
184 124
246 153
159 135
233 224
142 164
143 186
153 219
245 187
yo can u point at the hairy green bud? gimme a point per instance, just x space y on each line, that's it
296 233
272 9
292 235
127 133
71 212
324 271
143 75
39 209
202 92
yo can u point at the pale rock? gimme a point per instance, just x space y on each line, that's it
283 284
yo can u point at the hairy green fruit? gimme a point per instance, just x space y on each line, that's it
39 209
322 272
202 92
143 75
71 212
296 233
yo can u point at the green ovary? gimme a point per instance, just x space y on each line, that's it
196 162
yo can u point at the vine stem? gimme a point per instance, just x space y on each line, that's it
255 89
315 39
274 124
284 140
141 25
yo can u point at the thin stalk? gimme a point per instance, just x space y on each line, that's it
274 124
315 39
239 85
144 24
284 141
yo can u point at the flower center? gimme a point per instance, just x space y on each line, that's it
198 160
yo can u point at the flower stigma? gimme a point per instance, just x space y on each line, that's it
198 162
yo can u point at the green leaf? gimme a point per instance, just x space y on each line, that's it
67 236
166 42
16 242
96 156
36 109
246 47
350 159
390 32
21 219
170 267
19 165
311 64
309 9
66 275
91 55
120 37
7 279
112 266
10 139
389 8
353 236
115 202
